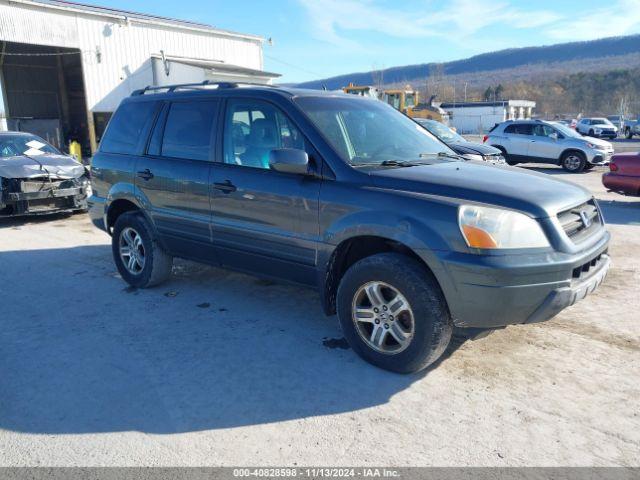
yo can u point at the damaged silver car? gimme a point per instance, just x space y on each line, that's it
35 178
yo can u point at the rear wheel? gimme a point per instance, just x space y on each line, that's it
506 156
138 256
628 134
573 162
393 313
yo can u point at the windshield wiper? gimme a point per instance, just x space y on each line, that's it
443 155
395 163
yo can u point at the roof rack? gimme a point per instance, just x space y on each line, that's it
194 86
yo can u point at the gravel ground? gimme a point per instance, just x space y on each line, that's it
219 368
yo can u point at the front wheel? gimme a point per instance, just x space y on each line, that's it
138 256
573 162
628 134
393 314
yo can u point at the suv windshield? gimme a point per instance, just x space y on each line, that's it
566 131
600 121
15 145
369 132
441 131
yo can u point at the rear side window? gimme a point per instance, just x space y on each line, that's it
520 129
126 127
187 131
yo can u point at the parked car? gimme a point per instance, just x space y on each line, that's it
402 237
537 141
572 123
597 128
631 127
35 178
624 174
457 143
618 121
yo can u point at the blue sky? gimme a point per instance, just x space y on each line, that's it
321 38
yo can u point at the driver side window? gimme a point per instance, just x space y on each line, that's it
543 131
252 129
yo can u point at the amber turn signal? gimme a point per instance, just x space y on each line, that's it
478 238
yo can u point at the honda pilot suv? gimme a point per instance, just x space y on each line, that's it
402 238
536 141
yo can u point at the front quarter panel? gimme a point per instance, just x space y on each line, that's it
112 178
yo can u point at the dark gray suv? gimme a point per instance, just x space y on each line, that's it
401 237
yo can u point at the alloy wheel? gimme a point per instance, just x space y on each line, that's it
132 252
572 162
383 317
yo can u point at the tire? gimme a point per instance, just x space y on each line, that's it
573 162
427 309
628 134
591 133
156 265
506 156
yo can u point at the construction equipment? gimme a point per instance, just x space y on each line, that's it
405 100
408 102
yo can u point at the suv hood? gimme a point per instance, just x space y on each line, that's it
537 194
59 166
598 142
473 148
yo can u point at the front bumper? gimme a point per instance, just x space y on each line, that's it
564 297
13 204
488 291
600 157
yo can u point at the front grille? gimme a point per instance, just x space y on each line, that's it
581 221
583 270
44 185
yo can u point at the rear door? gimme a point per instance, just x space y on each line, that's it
263 221
519 136
173 177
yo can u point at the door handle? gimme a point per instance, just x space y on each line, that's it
145 174
225 187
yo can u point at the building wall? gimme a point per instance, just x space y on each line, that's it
116 52
470 120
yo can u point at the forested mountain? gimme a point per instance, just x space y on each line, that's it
574 54
595 77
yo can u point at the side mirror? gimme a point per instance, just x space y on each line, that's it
554 136
289 160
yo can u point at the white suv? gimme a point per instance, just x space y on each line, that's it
597 127
536 141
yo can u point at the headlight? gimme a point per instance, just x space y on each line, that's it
472 156
484 227
598 130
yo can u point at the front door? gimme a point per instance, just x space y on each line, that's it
544 147
263 221
173 177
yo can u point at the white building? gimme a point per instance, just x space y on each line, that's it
65 67
479 117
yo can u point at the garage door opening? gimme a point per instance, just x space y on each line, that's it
44 93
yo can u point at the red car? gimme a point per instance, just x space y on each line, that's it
624 174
